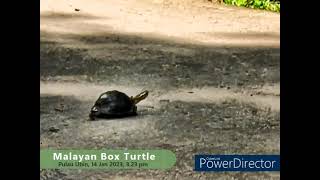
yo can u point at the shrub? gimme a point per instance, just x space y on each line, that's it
258 4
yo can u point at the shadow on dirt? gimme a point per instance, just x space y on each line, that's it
235 126
228 115
59 111
67 16
158 62
162 63
253 35
180 122
186 128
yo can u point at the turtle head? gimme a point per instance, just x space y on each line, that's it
95 111
141 96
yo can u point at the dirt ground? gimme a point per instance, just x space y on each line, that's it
213 72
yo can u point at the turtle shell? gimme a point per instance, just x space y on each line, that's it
113 104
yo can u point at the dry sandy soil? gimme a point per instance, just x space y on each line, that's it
213 72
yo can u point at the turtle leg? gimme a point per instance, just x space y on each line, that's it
134 111
92 117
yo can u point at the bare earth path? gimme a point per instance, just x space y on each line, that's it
213 73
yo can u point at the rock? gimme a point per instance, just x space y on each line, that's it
150 107
60 109
164 101
54 129
254 111
240 83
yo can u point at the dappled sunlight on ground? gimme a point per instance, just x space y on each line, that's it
213 73
246 28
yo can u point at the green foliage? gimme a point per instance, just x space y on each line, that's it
258 4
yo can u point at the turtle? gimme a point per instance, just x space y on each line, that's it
116 104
